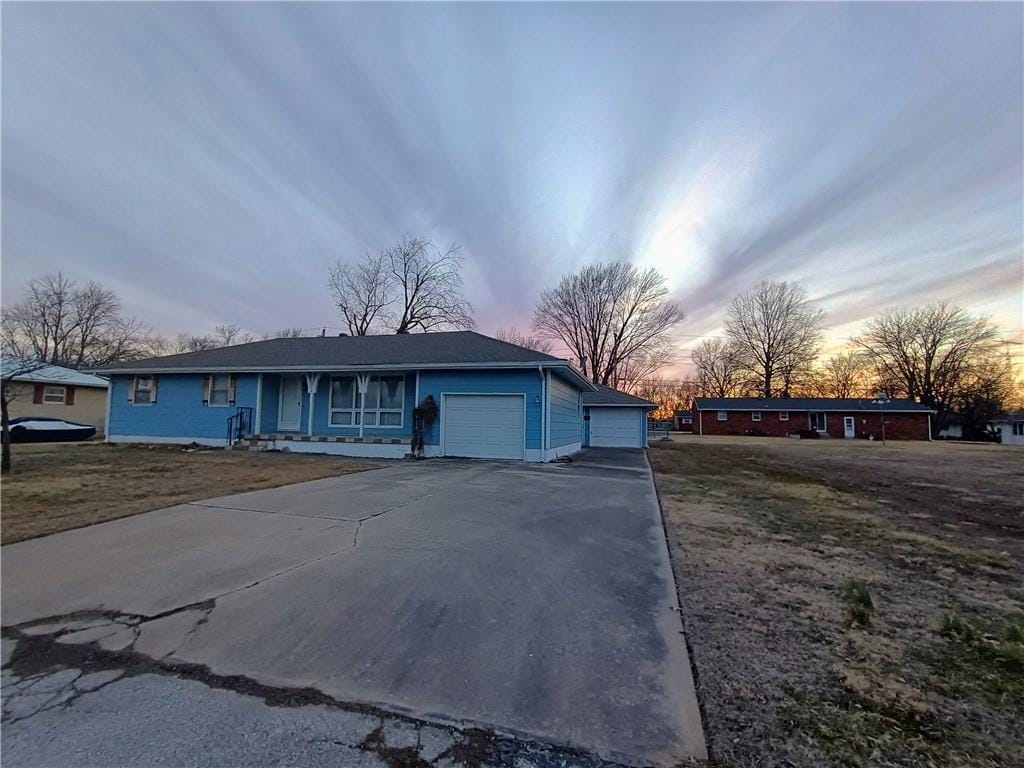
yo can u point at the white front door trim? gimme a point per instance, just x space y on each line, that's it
849 426
284 423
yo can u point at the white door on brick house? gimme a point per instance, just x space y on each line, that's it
849 426
290 409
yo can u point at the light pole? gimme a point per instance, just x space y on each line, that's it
881 398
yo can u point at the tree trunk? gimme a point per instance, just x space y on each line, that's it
5 460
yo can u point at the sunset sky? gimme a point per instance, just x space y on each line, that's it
209 163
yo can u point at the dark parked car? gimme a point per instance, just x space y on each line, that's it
44 429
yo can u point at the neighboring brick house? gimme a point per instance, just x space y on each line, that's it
828 417
682 421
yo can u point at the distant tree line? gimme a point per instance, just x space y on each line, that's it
937 354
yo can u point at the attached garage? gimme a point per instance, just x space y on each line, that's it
480 426
614 419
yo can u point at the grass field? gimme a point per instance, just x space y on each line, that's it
849 604
60 486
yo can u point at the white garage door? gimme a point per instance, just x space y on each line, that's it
617 427
484 426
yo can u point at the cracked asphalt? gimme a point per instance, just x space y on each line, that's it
431 613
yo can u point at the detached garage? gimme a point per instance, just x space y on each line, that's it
613 419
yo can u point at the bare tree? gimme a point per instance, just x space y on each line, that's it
412 286
930 353
536 343
642 364
777 333
284 333
843 375
186 342
671 396
11 368
61 323
614 318
986 391
230 335
362 292
719 367
427 285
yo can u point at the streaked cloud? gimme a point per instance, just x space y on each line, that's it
210 161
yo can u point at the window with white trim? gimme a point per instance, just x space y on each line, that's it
142 393
818 421
384 406
723 415
755 416
220 389
783 415
54 395
1018 428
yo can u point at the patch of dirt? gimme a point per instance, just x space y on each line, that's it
58 487
769 536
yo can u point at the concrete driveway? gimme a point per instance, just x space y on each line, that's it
531 601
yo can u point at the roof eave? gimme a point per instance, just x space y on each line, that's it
532 364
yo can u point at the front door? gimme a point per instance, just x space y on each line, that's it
290 409
849 426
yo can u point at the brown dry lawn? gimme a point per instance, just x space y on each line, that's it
59 486
849 604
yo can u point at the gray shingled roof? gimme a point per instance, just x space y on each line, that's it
443 348
608 396
804 404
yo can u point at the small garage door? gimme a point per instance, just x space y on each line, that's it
617 427
484 426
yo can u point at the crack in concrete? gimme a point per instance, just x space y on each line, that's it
405 503
36 657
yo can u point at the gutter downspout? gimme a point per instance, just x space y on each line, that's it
929 426
110 397
544 413
700 421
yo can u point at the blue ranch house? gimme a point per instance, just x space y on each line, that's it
359 396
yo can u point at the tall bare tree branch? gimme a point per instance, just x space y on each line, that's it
777 333
614 318
928 353
513 336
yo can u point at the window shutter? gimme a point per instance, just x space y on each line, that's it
231 389
131 390
152 391
207 384
69 396
37 394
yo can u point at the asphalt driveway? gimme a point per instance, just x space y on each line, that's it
531 601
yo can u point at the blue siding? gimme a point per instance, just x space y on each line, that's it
564 413
179 409
526 382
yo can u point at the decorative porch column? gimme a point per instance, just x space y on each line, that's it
362 383
312 382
